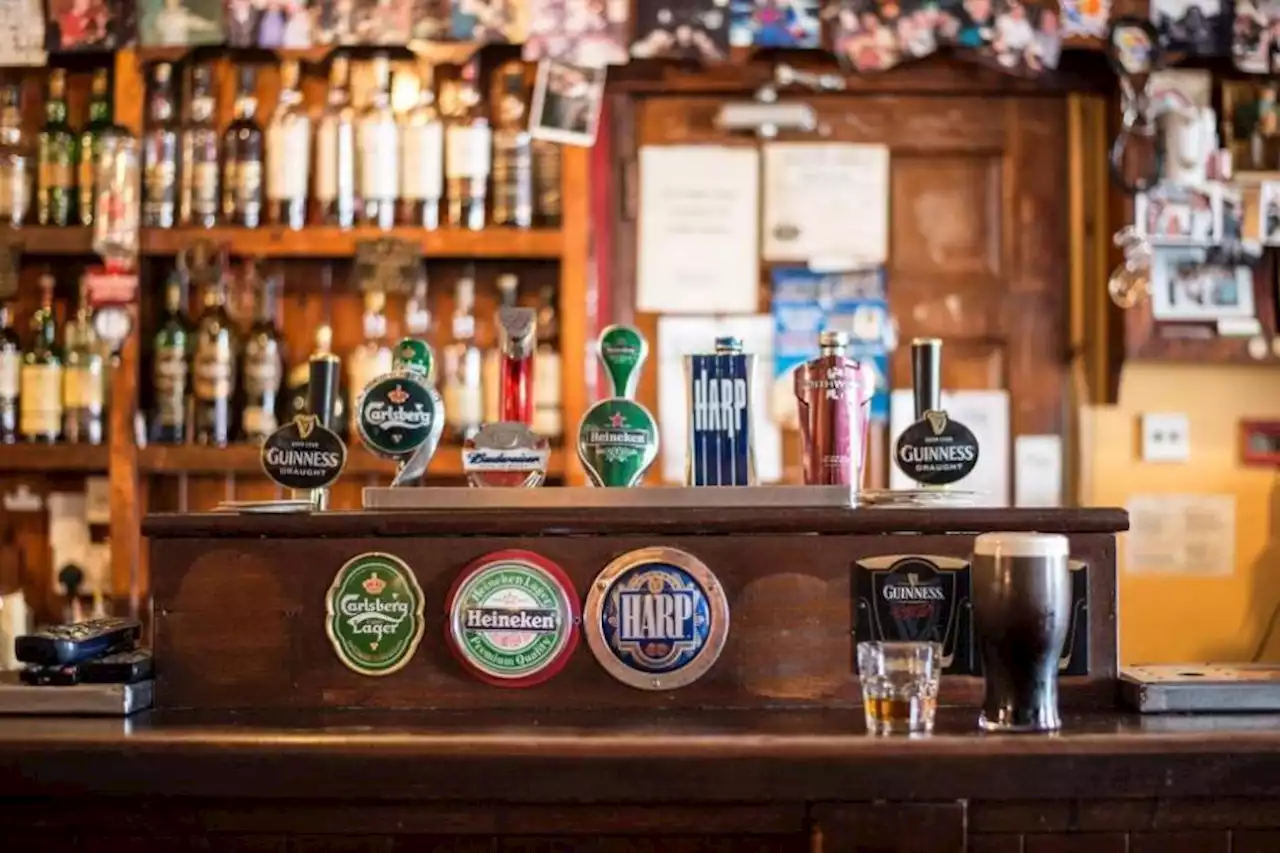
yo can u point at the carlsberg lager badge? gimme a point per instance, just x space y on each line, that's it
374 614
720 449
618 437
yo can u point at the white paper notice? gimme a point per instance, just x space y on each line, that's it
1037 470
986 413
1184 534
681 336
826 201
699 230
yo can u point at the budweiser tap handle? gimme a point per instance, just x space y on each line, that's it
322 387
926 375
518 338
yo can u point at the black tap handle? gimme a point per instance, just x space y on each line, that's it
926 375
322 387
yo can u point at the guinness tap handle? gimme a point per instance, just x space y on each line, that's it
322 387
926 375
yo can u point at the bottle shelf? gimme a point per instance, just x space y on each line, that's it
333 242
63 458
49 239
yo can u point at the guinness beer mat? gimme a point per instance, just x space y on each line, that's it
374 614
1075 652
513 618
656 618
720 451
917 598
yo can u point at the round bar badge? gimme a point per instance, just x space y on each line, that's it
656 618
374 614
512 618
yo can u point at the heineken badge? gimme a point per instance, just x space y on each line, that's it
656 618
505 454
720 448
936 450
374 614
617 442
917 598
623 351
304 454
513 619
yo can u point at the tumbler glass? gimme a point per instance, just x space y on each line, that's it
899 686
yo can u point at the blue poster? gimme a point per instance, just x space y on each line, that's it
806 303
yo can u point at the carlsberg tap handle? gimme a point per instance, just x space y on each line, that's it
926 375
322 387
622 351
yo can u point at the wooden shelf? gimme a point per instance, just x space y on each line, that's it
435 52
243 459
332 242
49 240
65 458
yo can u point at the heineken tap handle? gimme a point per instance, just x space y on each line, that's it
622 351
322 387
926 375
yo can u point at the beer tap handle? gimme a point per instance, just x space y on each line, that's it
322 387
622 351
926 375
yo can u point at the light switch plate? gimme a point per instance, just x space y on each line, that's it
1166 437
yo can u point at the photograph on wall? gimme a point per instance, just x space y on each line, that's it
1087 18
874 36
22 33
86 25
1269 212
489 21
268 23
383 21
566 102
1251 35
592 33
179 23
1024 38
775 23
1250 126
432 20
691 30
1185 288
1171 214
968 24
1193 27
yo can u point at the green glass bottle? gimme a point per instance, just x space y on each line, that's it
56 159
90 148
40 394
84 385
171 367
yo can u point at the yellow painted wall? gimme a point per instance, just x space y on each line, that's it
1168 618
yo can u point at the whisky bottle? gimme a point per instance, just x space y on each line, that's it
160 153
508 290
422 159
200 194
468 143
372 358
512 149
242 158
214 367
40 381
170 367
56 157
263 368
547 418
289 153
90 147
10 375
15 160
83 379
463 390
335 187
379 150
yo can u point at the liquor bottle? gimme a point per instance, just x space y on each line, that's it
242 158
263 366
463 394
546 184
56 157
372 358
40 382
512 149
335 188
160 153
83 379
833 393
214 367
468 144
15 160
90 147
10 375
422 159
200 194
289 153
547 419
508 289
170 368
379 150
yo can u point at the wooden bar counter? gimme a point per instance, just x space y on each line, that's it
263 740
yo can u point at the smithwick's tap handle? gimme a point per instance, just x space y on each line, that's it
322 387
623 351
926 375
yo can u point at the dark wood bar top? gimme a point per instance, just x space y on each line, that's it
579 520
606 757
